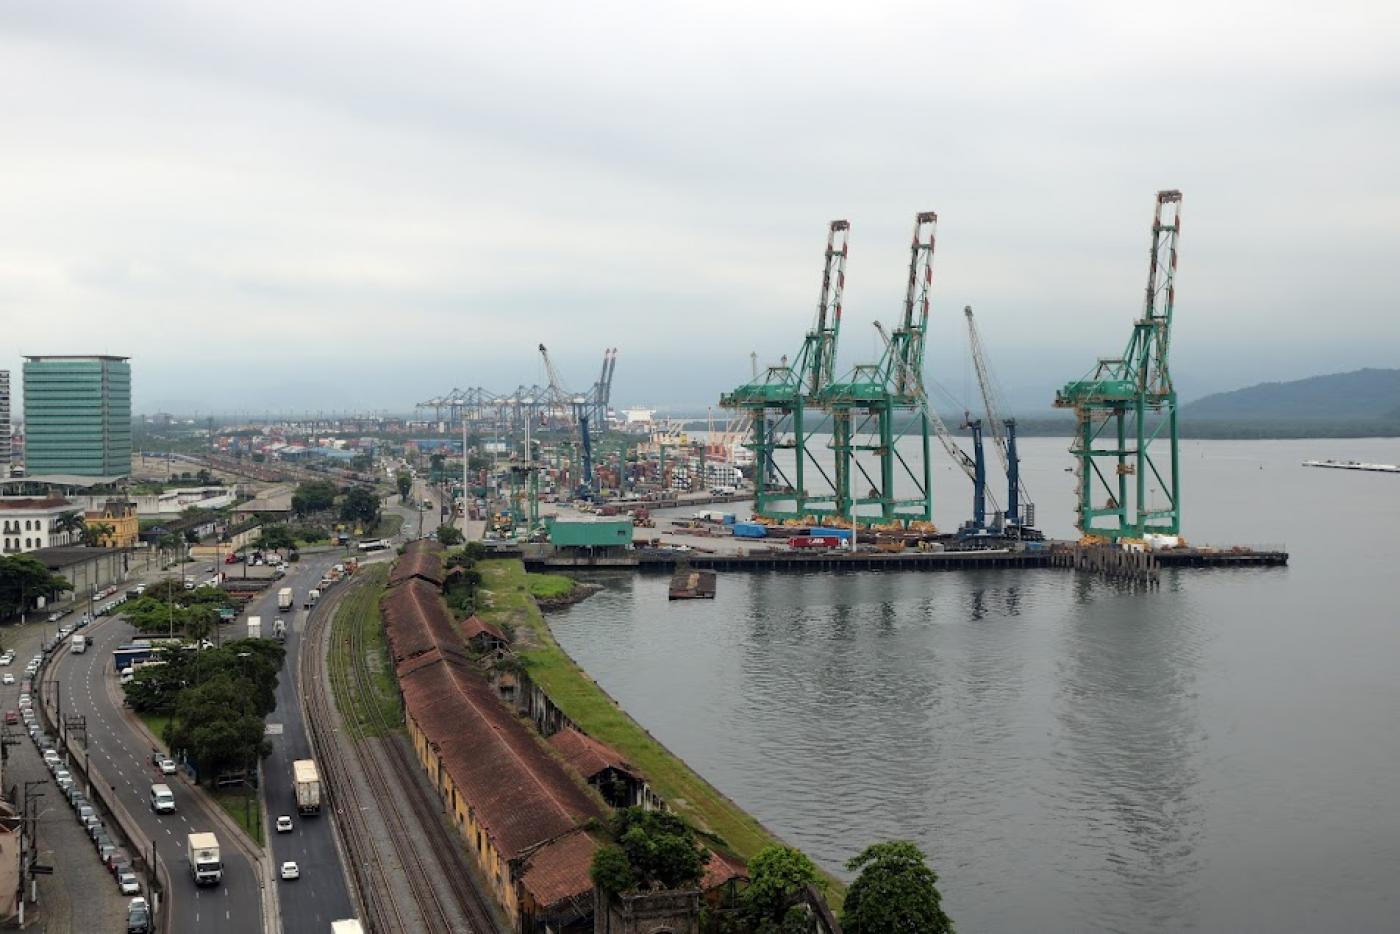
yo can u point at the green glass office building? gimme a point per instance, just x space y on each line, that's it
77 416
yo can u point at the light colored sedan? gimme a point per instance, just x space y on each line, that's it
7 678
284 824
290 871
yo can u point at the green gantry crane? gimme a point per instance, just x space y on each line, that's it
879 404
1126 404
777 400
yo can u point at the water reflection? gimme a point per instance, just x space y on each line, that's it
1128 751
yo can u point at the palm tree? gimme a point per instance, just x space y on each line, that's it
95 532
68 523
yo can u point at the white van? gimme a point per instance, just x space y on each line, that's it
162 799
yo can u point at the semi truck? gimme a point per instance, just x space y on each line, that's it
279 629
307 782
285 599
202 851
255 627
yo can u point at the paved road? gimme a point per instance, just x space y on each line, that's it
321 895
123 756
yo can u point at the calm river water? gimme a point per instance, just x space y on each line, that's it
1220 755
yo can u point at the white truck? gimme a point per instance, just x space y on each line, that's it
79 645
308 786
203 855
285 599
255 627
312 596
279 629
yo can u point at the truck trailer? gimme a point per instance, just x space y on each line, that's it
255 627
307 782
202 850
312 596
285 599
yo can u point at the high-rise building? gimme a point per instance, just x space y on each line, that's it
77 416
4 423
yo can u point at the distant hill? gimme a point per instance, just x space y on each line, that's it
1370 395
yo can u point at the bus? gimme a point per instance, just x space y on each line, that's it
374 544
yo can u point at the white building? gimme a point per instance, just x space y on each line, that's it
28 523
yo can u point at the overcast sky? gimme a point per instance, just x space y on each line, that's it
355 206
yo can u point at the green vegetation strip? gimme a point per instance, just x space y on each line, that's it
245 809
388 526
583 702
156 722
549 586
357 622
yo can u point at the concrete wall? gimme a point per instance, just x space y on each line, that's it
104 569
9 874
167 505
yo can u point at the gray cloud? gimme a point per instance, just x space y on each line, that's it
308 205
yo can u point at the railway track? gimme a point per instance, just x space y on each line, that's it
437 875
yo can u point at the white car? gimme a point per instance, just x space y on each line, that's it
7 659
127 883
290 871
7 678
284 824
167 767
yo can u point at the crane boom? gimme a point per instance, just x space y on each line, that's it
940 429
995 426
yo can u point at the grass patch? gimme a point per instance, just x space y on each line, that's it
357 617
155 722
504 598
549 586
244 808
389 524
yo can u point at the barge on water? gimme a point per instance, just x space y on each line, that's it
1354 465
687 584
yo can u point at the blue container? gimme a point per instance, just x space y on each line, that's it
750 530
824 532
729 518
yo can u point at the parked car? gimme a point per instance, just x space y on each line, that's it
138 917
126 881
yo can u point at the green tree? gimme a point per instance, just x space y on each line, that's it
895 891
22 579
360 505
778 877
70 522
661 849
611 871
216 725
449 535
313 496
405 484
276 537
93 533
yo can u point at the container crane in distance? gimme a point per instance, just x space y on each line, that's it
1019 518
1126 404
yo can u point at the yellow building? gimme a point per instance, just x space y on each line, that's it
121 516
